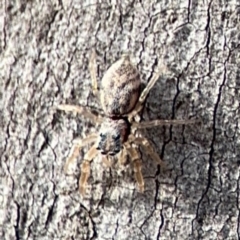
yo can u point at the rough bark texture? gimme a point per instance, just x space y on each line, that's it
44 50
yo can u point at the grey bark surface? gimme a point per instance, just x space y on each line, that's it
44 50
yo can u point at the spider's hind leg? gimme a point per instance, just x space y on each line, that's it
84 111
161 68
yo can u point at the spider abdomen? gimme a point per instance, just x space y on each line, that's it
120 88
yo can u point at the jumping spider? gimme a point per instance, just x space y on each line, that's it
121 101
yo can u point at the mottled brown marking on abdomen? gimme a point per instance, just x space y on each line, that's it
120 88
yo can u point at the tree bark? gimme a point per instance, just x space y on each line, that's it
44 52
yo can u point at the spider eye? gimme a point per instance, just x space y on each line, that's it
103 136
117 137
117 150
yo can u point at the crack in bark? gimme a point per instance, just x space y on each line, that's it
16 226
212 150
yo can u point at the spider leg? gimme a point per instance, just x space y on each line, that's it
82 110
159 122
148 148
137 166
106 161
85 169
93 72
77 144
122 159
151 83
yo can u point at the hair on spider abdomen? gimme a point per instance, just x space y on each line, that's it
120 88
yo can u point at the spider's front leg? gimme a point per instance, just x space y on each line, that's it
85 169
77 144
106 161
122 157
137 166
148 148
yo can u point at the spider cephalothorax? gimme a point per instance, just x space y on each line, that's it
112 134
121 101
